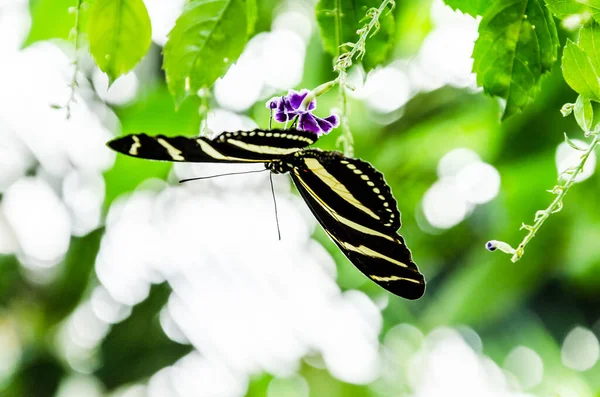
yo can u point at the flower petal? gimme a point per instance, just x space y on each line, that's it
281 117
328 123
274 102
295 98
307 122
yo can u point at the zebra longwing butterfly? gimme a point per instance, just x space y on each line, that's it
349 197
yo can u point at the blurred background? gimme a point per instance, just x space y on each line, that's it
117 281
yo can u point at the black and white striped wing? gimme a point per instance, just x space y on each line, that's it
229 147
355 206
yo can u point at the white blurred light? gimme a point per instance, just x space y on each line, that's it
526 365
386 89
131 391
83 195
161 385
57 143
163 15
296 21
39 221
79 386
404 339
241 86
580 350
194 376
567 157
294 386
347 356
283 55
399 345
471 337
465 181
15 22
218 250
106 308
15 159
478 182
122 91
85 329
171 328
447 366
455 160
220 120
8 240
445 56
443 204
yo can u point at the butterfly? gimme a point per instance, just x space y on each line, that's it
348 196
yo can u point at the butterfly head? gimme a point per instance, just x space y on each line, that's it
279 167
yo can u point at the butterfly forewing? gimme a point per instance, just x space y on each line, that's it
346 213
229 147
347 196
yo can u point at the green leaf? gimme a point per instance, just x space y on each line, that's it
584 113
579 72
119 33
565 8
471 7
351 19
207 38
251 16
589 42
50 19
517 44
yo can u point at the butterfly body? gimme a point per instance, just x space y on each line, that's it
349 198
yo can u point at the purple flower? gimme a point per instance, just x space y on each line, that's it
291 106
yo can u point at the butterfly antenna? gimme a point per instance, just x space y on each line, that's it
227 174
275 203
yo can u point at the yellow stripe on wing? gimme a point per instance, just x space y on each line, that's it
317 168
215 154
173 151
261 148
341 219
136 145
394 278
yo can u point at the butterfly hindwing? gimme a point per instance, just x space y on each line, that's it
349 198
229 147
339 201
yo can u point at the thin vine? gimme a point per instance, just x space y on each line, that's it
74 32
560 190
344 61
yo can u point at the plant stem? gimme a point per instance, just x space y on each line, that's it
73 83
344 61
346 140
556 205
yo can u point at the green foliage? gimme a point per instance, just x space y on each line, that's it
207 38
251 16
43 11
340 26
471 7
564 8
467 284
581 62
579 71
517 44
584 113
119 33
